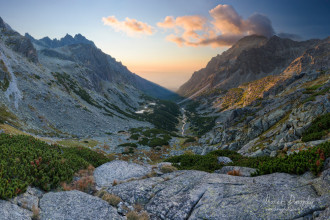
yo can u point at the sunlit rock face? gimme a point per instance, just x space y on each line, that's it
254 57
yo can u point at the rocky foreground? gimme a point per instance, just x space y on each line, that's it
180 195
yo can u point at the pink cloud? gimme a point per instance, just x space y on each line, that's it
131 27
169 22
224 29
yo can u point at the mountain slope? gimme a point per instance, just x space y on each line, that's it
251 58
282 105
68 87
83 52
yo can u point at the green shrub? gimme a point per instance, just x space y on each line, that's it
200 125
25 161
297 163
128 145
314 94
157 142
164 115
189 140
135 136
319 128
311 90
144 141
208 163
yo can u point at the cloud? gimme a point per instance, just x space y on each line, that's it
131 27
169 22
224 28
226 20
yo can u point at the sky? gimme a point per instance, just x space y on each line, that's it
166 41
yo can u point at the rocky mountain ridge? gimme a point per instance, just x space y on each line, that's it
251 58
65 41
270 92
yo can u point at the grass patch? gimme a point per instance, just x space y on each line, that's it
7 116
315 94
78 143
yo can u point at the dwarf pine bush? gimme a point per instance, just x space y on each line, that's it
26 161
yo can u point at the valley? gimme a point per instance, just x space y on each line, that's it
80 130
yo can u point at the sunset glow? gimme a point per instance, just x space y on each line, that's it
165 41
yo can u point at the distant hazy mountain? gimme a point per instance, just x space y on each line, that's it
251 58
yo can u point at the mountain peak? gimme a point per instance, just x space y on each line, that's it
67 37
2 23
250 41
64 41
250 58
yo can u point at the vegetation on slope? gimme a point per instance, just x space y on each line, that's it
319 128
296 163
199 124
249 92
6 115
164 115
149 137
25 161
4 82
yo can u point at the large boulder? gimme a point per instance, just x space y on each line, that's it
201 195
75 205
11 211
118 170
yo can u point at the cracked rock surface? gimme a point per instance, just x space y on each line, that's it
76 205
200 195
118 170
11 211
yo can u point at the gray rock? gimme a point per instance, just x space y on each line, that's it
224 160
322 183
258 153
75 205
26 201
324 215
273 153
326 164
35 192
9 211
234 146
245 171
160 165
201 195
118 170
